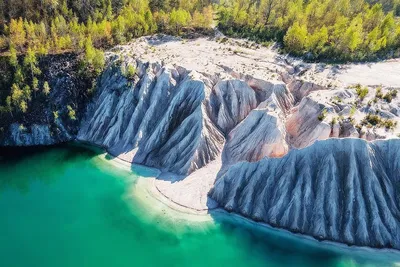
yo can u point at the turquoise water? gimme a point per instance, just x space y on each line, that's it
65 206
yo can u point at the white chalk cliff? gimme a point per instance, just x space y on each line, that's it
158 120
184 118
342 190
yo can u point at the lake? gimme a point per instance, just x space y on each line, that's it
68 206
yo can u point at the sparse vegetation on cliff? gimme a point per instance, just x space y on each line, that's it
361 91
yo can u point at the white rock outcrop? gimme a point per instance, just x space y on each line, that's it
198 108
159 120
175 119
304 126
344 190
261 134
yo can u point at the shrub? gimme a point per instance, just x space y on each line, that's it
372 119
375 120
71 113
46 88
322 115
56 115
130 72
362 92
390 124
353 111
379 93
388 97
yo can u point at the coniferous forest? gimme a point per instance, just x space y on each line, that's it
331 30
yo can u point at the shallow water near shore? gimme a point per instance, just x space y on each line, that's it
67 206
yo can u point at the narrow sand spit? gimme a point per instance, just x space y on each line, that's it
188 196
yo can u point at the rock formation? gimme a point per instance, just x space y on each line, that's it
342 190
304 125
261 134
158 120
177 119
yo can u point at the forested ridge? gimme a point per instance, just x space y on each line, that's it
320 29
337 30
58 25
31 29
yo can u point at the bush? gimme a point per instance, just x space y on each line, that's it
46 88
388 97
362 92
322 115
378 93
373 120
130 72
71 113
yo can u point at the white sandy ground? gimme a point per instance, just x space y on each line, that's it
175 216
211 55
385 73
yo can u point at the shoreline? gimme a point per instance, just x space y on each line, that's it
145 190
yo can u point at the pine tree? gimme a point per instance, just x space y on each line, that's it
296 38
46 88
31 63
13 56
17 33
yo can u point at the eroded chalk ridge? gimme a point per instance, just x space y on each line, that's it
344 190
169 117
156 118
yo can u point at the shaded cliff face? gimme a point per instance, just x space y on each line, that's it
342 190
39 125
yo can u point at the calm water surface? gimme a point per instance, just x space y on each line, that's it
66 206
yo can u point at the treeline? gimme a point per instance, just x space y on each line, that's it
60 25
320 29
30 29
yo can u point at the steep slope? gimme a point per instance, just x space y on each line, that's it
261 134
173 118
304 126
158 119
345 190
39 125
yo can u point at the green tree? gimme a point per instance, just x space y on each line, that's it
354 34
46 88
35 84
178 19
17 33
94 58
31 63
296 38
71 113
13 56
318 40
